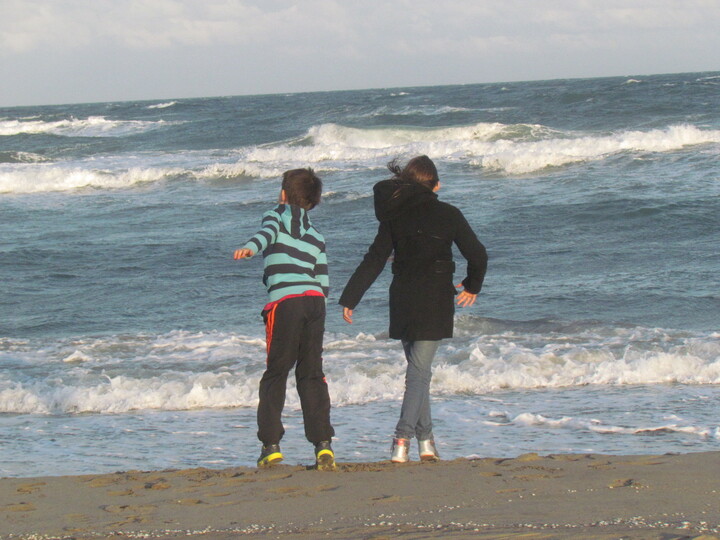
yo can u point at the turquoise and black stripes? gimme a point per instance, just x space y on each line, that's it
293 253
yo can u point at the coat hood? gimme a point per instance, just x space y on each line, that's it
294 219
394 197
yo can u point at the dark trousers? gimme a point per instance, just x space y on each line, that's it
294 329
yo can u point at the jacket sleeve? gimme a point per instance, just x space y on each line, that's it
369 269
474 252
267 234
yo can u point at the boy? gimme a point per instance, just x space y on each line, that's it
296 277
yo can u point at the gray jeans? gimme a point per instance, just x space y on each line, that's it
415 419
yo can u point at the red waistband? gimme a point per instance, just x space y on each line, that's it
269 306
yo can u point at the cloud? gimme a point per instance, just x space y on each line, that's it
106 49
346 27
29 25
134 24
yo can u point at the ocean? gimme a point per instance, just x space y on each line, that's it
131 339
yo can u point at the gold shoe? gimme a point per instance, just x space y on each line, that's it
400 451
428 452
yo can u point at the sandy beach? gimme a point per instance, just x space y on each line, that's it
531 496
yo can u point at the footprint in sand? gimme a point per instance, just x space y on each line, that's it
157 485
531 477
102 481
536 472
281 476
644 461
130 520
389 498
19 507
528 457
601 466
30 488
121 493
128 508
356 467
288 490
190 502
197 475
294 491
236 481
77 518
623 483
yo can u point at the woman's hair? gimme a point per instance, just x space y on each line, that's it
302 188
420 169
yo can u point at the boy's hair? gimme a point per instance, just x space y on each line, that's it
420 169
302 188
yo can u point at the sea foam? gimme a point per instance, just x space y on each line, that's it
184 370
331 148
93 126
42 178
509 149
162 105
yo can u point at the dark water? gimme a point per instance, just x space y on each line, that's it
597 200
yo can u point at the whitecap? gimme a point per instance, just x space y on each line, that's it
162 105
46 178
185 370
93 126
76 356
509 149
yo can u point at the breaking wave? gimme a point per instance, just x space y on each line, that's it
508 149
515 149
185 370
162 105
93 126
40 179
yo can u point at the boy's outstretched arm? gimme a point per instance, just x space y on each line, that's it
266 236
243 253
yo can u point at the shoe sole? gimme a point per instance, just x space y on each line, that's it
270 460
430 458
325 461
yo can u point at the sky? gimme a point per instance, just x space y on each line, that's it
78 51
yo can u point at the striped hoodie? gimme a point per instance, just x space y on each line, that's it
293 253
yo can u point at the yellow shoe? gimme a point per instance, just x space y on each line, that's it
324 457
270 455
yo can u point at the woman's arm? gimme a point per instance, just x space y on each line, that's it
475 254
368 270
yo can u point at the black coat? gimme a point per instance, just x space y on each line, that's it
421 230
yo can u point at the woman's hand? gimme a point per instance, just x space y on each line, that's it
465 298
347 315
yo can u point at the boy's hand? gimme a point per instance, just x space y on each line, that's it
465 299
347 315
243 253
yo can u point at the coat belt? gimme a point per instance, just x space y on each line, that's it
423 267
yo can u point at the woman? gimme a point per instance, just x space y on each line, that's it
421 231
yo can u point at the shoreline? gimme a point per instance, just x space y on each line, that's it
531 496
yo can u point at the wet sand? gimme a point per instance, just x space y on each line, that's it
529 497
